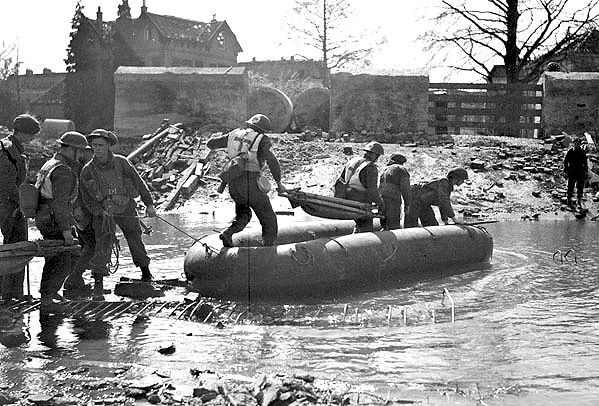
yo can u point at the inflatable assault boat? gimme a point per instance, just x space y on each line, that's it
324 259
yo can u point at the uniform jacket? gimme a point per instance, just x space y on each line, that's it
13 168
63 184
111 184
368 177
435 193
394 183
575 163
263 154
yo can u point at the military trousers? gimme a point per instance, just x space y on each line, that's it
104 231
578 182
420 211
14 229
56 268
392 220
247 197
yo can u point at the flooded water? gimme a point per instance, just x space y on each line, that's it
526 330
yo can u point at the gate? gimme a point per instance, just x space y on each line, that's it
486 108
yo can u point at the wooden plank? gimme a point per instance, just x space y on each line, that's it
485 98
491 86
481 112
190 186
171 199
489 125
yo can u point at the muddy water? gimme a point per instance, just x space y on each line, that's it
526 330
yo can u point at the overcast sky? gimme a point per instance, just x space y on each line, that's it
41 27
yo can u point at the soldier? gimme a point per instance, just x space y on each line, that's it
360 177
250 142
13 167
435 193
109 186
394 186
58 186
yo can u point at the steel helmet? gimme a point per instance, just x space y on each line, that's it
458 173
101 133
73 139
374 147
26 124
259 122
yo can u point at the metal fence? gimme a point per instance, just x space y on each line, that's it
486 108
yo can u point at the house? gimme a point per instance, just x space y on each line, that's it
159 40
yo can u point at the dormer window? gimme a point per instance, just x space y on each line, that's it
220 40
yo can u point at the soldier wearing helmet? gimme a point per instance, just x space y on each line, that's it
250 149
576 170
13 167
58 185
360 177
110 184
435 193
394 186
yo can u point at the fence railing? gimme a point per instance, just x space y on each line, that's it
486 108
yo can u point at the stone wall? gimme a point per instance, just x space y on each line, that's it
570 102
381 107
194 96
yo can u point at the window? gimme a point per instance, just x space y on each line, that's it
220 40
147 34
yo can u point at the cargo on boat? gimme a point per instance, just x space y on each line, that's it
324 259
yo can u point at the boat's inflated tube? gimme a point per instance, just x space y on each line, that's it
323 259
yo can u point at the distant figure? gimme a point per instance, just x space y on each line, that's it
360 177
13 167
250 149
394 186
576 170
435 193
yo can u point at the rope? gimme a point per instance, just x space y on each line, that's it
303 263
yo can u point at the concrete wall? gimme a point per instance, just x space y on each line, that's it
199 96
386 107
570 102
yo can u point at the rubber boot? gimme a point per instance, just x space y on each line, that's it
48 306
146 276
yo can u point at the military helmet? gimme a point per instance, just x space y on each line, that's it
458 173
398 159
374 147
101 133
259 122
27 124
73 139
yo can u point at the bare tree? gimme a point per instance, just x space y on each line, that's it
8 62
326 26
523 34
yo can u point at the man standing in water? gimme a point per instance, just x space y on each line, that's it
576 169
13 167
110 184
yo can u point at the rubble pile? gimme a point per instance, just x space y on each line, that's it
542 163
407 139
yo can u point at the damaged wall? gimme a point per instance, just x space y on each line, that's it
389 106
195 96
570 102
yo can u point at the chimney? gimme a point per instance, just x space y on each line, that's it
144 9
292 58
99 17
28 72
46 71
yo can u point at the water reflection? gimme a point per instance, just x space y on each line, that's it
528 322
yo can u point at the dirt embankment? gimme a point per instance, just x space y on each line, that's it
509 177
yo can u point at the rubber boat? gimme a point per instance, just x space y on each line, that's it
325 259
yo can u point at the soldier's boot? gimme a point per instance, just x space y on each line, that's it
75 286
227 238
98 292
146 276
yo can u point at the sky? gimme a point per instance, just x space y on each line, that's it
41 28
